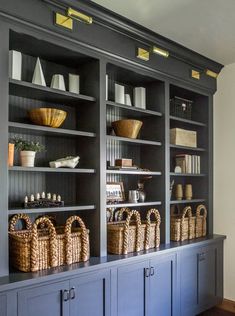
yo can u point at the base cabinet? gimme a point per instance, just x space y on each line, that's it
200 272
146 288
3 305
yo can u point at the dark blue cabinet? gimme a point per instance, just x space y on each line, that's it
200 270
90 294
146 288
3 305
52 299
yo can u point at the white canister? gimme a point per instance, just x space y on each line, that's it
140 97
57 82
74 83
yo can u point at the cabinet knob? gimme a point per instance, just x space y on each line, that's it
202 256
72 293
147 272
152 271
65 295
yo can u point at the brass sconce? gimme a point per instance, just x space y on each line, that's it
211 73
66 21
195 74
160 51
142 54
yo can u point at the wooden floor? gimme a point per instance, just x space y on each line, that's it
217 312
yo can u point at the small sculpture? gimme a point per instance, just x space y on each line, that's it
43 195
38 196
45 200
48 196
31 198
59 198
69 162
54 197
26 199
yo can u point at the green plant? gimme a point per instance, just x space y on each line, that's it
22 145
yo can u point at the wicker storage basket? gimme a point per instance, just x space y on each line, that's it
36 249
182 227
129 236
201 221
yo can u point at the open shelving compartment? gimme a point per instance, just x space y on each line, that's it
147 151
199 122
76 137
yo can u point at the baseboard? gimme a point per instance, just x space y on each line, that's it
227 305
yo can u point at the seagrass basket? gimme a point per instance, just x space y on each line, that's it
132 235
201 215
182 227
36 249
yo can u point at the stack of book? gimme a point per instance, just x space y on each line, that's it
189 163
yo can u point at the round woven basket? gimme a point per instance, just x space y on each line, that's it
47 116
127 128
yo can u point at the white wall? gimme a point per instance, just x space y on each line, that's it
224 172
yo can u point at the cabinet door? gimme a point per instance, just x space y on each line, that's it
131 294
207 276
3 305
188 282
162 282
90 294
44 300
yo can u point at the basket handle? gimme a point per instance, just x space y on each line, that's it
35 247
18 217
157 216
126 231
199 209
122 211
186 210
68 239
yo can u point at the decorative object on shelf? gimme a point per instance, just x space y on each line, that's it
69 162
36 249
127 128
183 137
40 202
106 87
171 187
140 97
74 83
133 196
28 150
201 221
188 192
178 169
15 65
181 108
188 163
57 82
11 150
119 93
128 99
182 227
115 192
123 162
129 236
179 192
38 76
161 52
109 214
142 193
47 117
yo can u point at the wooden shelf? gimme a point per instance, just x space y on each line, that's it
187 174
135 172
37 92
179 119
187 148
134 141
48 169
127 204
43 130
134 111
187 201
51 209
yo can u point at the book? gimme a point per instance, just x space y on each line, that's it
188 163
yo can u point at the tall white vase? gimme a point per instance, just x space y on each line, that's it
15 65
74 83
38 76
119 93
140 97
57 82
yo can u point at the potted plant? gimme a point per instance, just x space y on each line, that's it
28 150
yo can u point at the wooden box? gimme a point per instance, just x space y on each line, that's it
123 162
183 137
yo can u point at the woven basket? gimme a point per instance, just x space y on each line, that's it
182 227
36 249
130 235
201 221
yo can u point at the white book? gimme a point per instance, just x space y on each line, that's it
140 97
15 64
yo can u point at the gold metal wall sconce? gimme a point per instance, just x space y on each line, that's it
142 54
211 73
66 21
160 51
195 74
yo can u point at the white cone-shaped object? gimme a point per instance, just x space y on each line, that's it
57 82
38 76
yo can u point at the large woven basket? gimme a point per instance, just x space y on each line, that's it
182 227
36 249
201 221
132 235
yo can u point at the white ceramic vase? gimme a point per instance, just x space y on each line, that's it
38 76
74 83
119 93
57 82
15 65
27 158
140 97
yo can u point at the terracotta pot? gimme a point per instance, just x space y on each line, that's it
27 158
11 150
